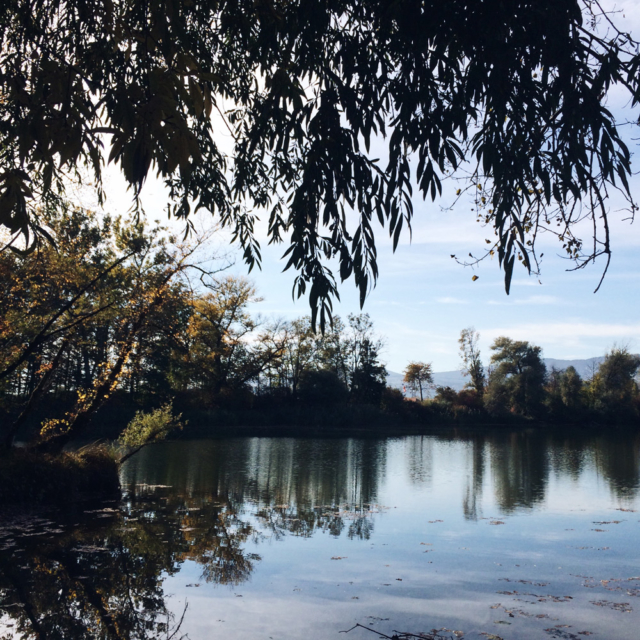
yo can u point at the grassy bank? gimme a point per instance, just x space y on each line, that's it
28 478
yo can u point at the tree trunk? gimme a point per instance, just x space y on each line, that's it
42 385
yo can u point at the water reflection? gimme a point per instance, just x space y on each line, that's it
520 471
475 463
301 482
619 463
304 474
100 573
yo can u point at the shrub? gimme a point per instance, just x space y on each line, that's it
146 428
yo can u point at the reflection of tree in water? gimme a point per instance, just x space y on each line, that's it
419 456
281 520
475 477
102 578
215 542
567 454
298 486
615 456
522 461
304 486
618 460
295 486
315 472
520 469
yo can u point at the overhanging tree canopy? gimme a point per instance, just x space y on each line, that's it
507 94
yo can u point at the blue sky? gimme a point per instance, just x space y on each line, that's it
424 298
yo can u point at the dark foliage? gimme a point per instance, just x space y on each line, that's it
509 98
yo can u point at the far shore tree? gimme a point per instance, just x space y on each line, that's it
564 391
516 383
418 376
471 363
613 390
367 374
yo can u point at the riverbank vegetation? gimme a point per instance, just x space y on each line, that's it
116 319
30 477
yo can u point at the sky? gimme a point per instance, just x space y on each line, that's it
424 298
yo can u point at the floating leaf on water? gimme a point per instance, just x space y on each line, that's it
90 548
535 584
623 607
541 598
556 632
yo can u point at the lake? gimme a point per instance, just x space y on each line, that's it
483 534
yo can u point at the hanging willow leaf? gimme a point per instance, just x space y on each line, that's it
511 100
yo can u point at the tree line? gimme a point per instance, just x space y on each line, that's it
518 383
122 310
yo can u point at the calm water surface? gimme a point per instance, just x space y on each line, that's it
489 535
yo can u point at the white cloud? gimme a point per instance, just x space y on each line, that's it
525 282
568 334
535 300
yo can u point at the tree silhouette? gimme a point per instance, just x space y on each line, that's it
509 98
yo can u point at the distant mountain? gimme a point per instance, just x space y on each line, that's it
586 368
453 379
456 380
